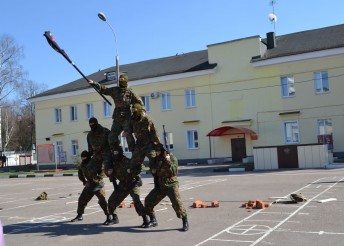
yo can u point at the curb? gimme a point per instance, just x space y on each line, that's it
39 175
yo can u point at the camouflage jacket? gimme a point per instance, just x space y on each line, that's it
166 170
82 172
98 144
144 131
120 171
122 100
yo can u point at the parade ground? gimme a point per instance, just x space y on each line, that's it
317 221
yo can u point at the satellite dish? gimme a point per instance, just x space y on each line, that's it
272 17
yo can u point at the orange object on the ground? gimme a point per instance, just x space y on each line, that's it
131 205
215 204
197 204
204 205
122 205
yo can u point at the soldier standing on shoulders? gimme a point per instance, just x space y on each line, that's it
98 146
127 186
146 138
165 168
88 191
123 98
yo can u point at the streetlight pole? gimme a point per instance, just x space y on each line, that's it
103 18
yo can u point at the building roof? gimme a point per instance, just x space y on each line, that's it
306 41
180 63
286 45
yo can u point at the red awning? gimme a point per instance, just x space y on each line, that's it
221 130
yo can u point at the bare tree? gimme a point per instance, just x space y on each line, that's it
11 72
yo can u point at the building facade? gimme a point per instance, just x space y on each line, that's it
221 102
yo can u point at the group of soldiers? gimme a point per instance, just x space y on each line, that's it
105 158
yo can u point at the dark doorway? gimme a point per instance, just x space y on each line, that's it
287 156
238 149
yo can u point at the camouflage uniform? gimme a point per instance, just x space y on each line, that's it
166 171
123 98
127 186
98 147
146 139
88 193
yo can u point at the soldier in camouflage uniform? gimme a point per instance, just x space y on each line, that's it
88 193
146 138
123 98
98 146
127 186
165 168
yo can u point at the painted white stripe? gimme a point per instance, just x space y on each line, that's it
286 219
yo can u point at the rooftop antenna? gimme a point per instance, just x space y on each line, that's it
272 16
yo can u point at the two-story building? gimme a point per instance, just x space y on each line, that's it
221 102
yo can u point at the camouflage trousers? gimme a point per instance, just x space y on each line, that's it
118 196
156 196
120 124
95 168
86 196
138 156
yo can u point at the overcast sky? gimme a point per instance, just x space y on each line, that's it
145 29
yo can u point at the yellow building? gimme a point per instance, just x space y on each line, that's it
219 103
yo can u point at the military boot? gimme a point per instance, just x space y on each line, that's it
77 218
153 220
108 220
146 223
115 219
185 224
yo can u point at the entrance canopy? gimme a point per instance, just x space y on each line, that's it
221 130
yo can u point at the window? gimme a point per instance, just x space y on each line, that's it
75 148
106 109
59 146
165 101
111 76
58 115
124 144
325 127
89 110
146 102
321 82
169 139
192 139
288 86
190 98
291 132
73 113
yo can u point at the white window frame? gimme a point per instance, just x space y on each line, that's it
59 147
321 78
107 110
165 100
288 82
190 98
74 147
73 113
289 131
146 102
323 127
192 143
169 136
58 115
89 111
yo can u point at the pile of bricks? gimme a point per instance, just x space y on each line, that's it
124 205
258 204
200 204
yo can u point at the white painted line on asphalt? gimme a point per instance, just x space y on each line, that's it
327 200
286 219
226 240
311 232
